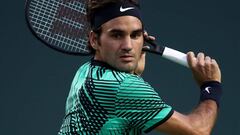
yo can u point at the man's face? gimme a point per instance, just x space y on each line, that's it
120 43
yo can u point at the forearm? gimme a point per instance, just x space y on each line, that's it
199 122
204 116
208 75
202 119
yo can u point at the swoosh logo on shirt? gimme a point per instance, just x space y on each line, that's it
125 9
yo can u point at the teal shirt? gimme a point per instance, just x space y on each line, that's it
105 101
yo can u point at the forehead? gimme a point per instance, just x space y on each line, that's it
125 23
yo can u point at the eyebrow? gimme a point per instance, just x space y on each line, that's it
138 31
121 31
116 31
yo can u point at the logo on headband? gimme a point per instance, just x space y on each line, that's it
125 9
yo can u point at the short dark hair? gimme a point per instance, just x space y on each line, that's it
93 7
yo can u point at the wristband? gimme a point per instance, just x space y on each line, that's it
211 90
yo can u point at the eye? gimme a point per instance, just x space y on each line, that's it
116 35
136 35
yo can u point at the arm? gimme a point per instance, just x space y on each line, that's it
199 122
202 119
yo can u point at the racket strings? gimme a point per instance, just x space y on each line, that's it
61 24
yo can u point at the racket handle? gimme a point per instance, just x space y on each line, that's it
175 56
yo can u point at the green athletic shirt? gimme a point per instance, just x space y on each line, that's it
105 101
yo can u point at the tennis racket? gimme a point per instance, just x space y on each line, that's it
63 26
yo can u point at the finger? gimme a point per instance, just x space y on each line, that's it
191 59
200 58
145 47
214 62
145 34
208 60
151 37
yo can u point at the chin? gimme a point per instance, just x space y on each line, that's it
130 67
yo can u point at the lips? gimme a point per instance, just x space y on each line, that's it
127 58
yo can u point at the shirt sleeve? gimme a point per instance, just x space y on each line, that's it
139 104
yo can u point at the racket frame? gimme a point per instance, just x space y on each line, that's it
27 3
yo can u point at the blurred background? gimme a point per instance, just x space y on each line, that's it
35 80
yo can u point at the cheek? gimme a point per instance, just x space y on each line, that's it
108 50
138 47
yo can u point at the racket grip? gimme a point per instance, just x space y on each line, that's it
175 56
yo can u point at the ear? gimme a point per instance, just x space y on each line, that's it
93 40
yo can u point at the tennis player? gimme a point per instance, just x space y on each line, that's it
108 95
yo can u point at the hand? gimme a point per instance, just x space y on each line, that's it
146 36
141 63
203 68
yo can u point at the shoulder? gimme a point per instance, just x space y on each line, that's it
85 66
133 87
127 79
81 73
134 81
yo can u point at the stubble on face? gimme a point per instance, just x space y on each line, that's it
120 43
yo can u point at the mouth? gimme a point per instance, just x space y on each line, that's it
127 58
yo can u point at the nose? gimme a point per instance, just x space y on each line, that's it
127 44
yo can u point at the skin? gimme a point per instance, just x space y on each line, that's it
201 120
141 63
120 45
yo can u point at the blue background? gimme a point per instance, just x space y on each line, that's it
35 80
